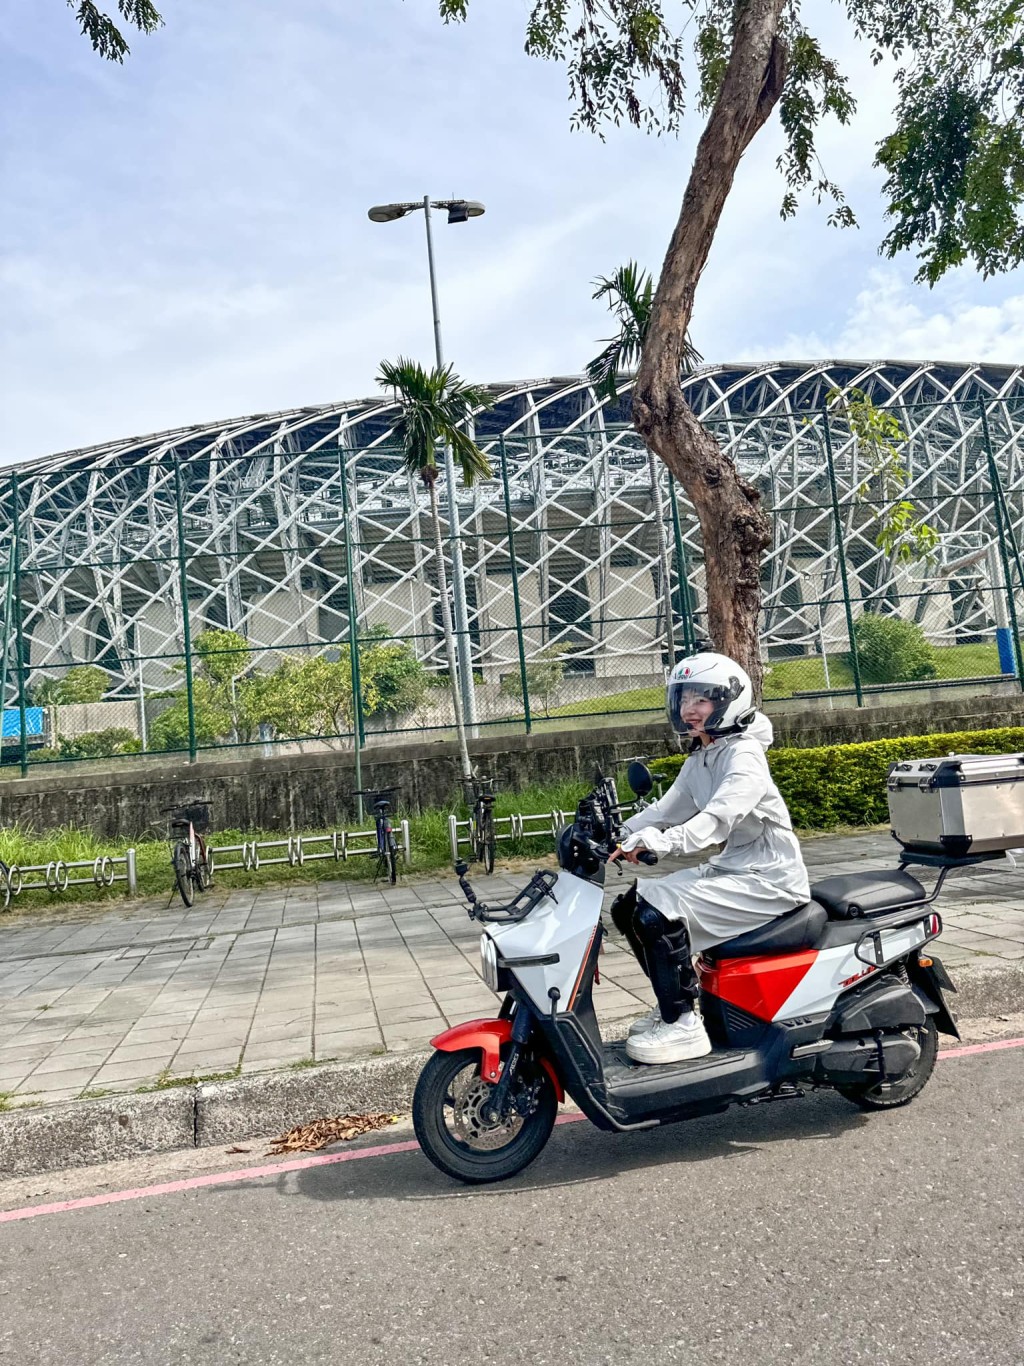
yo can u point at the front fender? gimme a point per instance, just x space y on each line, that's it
489 1036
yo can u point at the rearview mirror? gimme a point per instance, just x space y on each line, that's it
639 778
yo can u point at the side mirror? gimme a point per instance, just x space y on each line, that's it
639 778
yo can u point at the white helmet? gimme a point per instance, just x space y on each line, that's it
718 680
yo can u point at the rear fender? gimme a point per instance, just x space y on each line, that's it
928 985
490 1036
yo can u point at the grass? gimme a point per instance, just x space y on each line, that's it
6 1101
429 847
165 1082
789 676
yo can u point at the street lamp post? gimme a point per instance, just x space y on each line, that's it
459 211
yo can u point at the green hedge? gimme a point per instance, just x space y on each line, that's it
845 784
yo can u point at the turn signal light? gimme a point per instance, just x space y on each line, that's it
924 962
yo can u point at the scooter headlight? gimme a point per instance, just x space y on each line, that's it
489 961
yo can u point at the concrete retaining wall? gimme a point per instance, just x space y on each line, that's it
307 791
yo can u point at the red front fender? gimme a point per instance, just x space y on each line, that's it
489 1036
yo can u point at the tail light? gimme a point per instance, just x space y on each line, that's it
933 925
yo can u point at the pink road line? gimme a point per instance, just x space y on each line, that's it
220 1178
323 1160
981 1048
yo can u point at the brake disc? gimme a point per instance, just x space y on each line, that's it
471 1122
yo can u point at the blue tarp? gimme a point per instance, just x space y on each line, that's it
12 722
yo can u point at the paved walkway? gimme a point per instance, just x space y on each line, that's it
124 997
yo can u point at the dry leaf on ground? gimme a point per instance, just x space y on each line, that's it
319 1133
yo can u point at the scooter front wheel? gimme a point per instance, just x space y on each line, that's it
449 1114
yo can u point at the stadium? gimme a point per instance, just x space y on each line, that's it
286 526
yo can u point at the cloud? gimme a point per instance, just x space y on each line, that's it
890 319
185 237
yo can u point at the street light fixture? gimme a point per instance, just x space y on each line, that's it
459 211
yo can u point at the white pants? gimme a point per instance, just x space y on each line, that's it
716 906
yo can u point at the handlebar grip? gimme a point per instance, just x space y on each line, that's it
647 856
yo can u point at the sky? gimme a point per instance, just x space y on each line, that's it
184 238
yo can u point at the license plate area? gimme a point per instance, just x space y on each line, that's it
878 947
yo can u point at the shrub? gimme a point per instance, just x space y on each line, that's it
835 785
891 650
86 683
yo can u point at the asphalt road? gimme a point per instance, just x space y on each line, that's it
799 1232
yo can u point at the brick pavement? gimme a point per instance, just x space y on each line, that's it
120 997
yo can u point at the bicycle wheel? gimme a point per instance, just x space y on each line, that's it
181 861
488 843
392 857
5 885
204 877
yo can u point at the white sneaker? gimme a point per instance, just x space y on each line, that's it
645 1022
663 1042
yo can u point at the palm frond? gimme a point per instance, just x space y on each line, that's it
629 292
433 406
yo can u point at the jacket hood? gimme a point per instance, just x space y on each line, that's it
760 729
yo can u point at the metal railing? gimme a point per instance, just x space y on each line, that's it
57 875
297 850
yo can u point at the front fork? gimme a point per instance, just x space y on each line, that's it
522 1027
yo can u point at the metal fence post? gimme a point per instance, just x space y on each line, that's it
510 532
179 500
19 630
1005 532
358 731
8 622
841 555
682 572
131 875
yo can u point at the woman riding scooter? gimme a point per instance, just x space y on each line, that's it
724 794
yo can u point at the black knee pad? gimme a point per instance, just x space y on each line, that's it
623 909
669 960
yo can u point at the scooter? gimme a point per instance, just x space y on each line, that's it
838 993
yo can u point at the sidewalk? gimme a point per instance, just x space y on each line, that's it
119 998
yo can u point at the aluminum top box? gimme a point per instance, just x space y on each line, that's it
962 804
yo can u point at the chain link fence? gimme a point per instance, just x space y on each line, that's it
284 599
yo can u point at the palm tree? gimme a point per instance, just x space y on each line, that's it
435 405
630 295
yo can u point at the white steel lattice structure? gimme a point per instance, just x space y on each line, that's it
248 520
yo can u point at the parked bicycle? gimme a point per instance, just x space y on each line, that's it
190 858
387 845
484 839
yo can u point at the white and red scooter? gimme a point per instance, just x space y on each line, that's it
838 993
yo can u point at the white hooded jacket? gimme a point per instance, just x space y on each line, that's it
724 794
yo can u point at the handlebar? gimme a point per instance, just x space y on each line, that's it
647 856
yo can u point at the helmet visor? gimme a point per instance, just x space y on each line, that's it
691 704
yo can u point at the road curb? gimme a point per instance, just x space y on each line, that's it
83 1133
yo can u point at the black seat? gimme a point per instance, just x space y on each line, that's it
800 929
858 894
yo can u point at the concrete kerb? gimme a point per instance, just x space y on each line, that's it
86 1132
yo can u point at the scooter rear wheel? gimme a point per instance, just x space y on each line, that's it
449 1116
888 1095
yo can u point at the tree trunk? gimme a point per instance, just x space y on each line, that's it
449 644
734 528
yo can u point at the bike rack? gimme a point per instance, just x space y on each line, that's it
57 875
300 849
520 826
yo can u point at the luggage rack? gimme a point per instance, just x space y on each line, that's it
946 863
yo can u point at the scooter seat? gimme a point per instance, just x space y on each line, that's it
799 929
858 894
